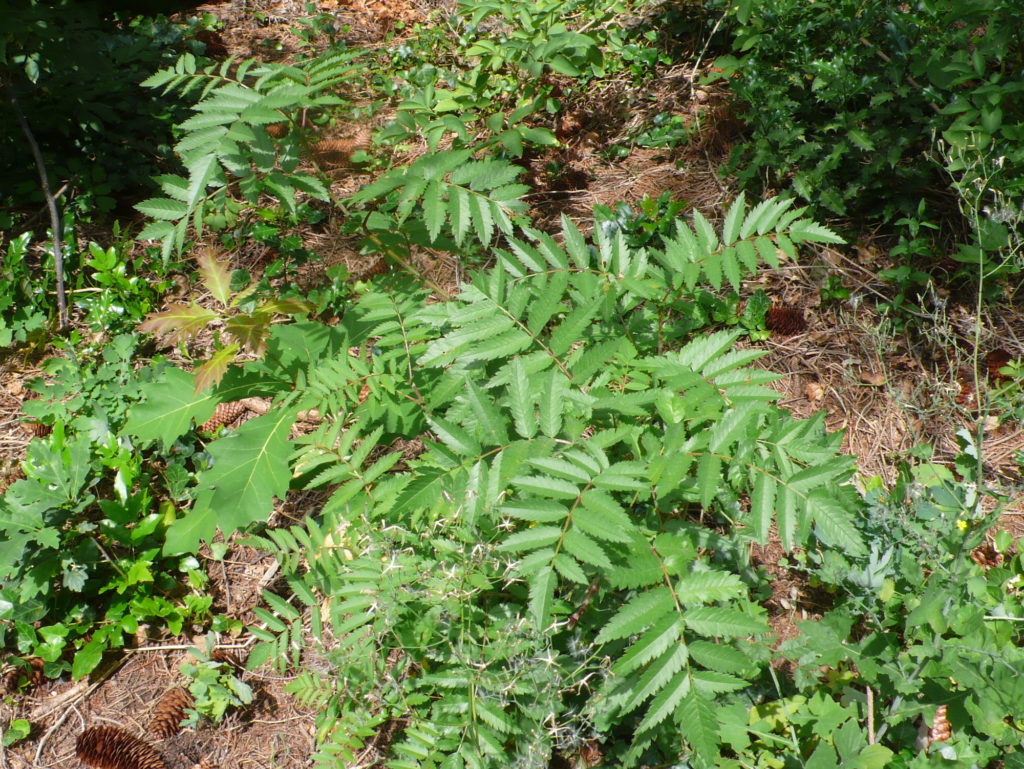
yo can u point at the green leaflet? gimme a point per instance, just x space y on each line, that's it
555 505
542 588
698 723
718 621
651 645
638 613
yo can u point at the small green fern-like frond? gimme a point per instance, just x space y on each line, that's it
449 188
224 144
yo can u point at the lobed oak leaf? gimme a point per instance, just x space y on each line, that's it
250 330
212 371
287 306
179 322
215 272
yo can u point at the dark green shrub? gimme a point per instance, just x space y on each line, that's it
76 77
843 100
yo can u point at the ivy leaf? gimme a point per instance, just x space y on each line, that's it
179 322
87 658
250 468
215 272
168 407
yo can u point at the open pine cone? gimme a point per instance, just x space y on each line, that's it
108 747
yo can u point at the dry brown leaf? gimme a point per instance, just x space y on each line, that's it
814 391
873 378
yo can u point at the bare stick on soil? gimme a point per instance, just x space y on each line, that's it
51 203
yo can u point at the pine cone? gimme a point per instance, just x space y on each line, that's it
224 414
277 130
34 676
108 747
338 152
169 713
784 320
36 429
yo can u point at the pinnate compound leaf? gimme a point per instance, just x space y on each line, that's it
762 505
531 539
168 408
834 523
178 323
808 231
162 208
215 272
731 228
648 646
719 656
666 701
707 586
250 468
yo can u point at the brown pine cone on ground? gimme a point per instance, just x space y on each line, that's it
108 747
169 713
785 320
224 414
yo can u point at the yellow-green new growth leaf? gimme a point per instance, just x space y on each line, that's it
213 370
178 323
251 330
215 272
286 306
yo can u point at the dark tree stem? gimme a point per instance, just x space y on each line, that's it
51 203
